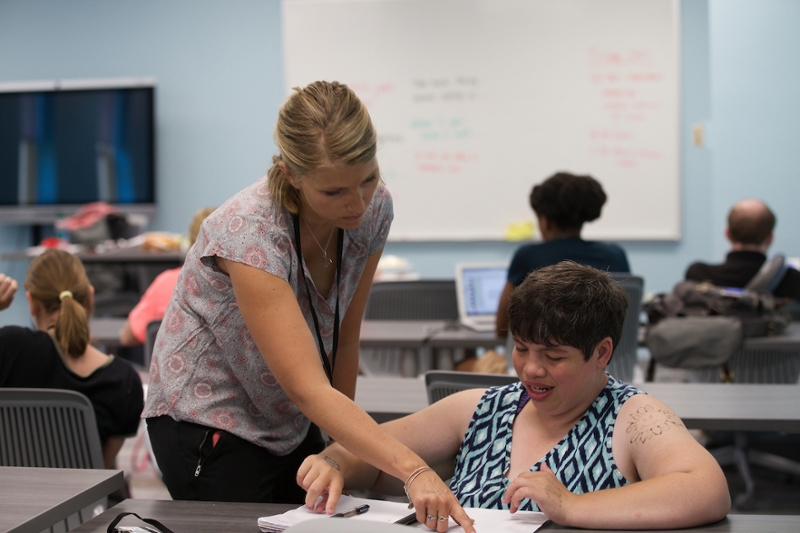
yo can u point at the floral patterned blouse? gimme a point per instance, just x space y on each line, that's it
206 368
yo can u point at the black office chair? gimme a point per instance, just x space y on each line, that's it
412 300
769 276
406 300
150 342
774 360
50 428
624 358
442 383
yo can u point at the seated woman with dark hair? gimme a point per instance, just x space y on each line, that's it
563 203
57 354
569 440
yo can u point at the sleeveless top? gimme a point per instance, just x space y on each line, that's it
582 460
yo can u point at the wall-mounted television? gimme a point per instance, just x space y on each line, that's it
66 143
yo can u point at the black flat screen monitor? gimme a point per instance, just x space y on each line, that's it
64 144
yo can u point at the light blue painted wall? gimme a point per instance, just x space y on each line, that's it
754 137
219 69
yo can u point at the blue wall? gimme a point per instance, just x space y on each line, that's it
219 72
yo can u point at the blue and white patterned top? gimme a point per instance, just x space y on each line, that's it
582 460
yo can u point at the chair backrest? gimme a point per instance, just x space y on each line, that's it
442 383
769 276
762 360
624 359
48 428
150 342
412 300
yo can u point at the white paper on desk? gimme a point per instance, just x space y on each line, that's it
486 520
502 521
379 511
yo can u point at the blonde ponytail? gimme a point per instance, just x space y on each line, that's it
57 281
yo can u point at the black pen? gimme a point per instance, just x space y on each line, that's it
361 509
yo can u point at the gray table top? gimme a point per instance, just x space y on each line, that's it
33 499
710 406
105 331
216 517
136 254
398 333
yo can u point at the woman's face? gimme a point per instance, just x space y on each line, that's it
338 195
559 380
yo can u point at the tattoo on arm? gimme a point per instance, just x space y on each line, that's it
331 462
648 422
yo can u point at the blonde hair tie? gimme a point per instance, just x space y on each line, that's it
64 294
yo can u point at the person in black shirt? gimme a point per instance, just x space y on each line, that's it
57 354
750 227
562 203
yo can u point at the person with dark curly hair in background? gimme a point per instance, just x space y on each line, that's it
562 204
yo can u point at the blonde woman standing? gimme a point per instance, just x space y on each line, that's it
260 340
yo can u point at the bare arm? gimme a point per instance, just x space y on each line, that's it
273 317
501 320
675 482
110 450
126 336
346 371
435 433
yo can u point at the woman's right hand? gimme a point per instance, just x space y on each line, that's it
435 503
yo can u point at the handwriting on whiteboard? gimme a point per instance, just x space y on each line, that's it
627 85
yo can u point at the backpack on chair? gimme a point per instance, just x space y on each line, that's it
700 325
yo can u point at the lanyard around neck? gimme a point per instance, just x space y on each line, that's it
329 366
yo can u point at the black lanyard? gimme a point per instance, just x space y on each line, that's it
328 365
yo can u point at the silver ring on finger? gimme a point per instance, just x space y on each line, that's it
442 519
431 517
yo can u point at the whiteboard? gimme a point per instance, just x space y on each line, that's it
475 101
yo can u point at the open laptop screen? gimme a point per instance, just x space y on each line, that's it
481 288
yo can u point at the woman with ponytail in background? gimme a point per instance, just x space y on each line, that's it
57 354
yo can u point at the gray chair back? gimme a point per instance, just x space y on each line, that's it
442 383
412 300
48 428
624 358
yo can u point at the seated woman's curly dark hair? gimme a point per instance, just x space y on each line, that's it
568 200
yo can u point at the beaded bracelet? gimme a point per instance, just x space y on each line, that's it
411 477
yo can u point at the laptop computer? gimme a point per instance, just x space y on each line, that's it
478 290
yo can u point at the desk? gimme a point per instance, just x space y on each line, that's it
33 499
710 406
408 336
105 331
213 517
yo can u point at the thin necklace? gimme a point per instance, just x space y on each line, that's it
326 261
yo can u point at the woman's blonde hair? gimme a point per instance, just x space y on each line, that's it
320 125
197 220
57 281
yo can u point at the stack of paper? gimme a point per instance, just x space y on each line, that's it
392 512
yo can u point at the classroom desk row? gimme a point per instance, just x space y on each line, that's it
33 499
708 406
214 517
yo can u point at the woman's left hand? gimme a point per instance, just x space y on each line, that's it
545 490
319 475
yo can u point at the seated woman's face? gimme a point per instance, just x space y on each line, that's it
558 378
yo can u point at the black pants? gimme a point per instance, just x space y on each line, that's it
233 470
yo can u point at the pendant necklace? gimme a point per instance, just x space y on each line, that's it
326 261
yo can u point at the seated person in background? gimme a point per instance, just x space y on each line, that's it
8 287
57 354
550 442
562 204
750 226
155 299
